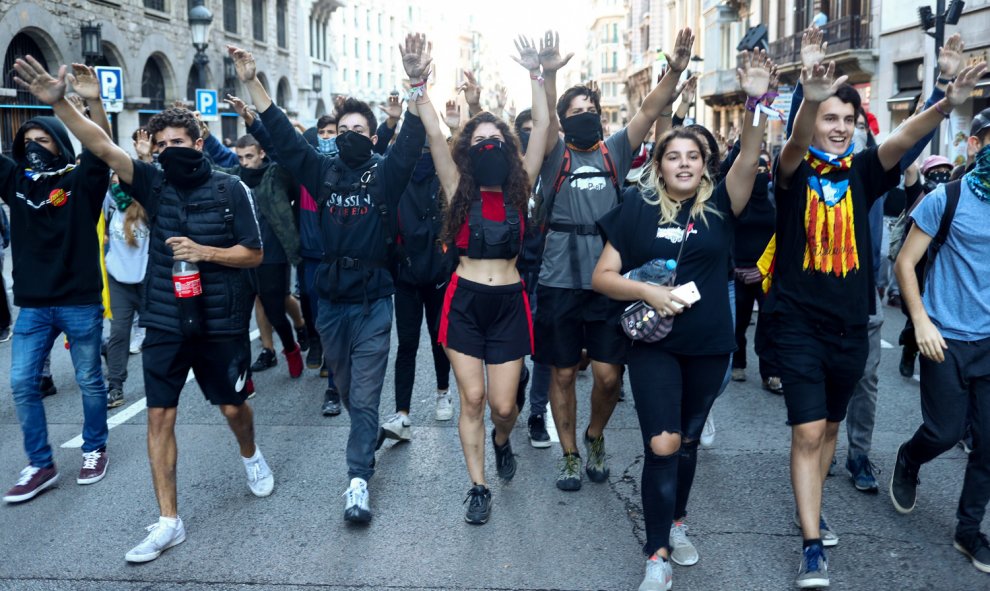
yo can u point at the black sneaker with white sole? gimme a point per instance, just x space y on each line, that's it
903 483
505 460
266 360
538 436
976 548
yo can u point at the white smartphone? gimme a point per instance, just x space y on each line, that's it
687 292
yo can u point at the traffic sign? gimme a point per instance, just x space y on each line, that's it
111 88
206 104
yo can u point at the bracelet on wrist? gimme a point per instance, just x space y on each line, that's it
945 81
938 107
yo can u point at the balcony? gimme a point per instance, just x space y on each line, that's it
849 45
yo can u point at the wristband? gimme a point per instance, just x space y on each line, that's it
538 78
668 115
945 81
417 90
940 111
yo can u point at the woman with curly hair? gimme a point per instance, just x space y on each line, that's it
485 323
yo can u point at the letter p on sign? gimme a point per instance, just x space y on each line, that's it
111 88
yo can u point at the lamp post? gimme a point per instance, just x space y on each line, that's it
938 20
200 20
697 59
92 42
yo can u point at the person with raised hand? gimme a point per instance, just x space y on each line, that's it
822 289
357 193
581 180
485 325
681 214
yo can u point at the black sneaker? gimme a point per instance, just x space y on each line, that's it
266 360
314 357
47 387
479 505
538 436
302 337
907 363
331 403
5 334
903 483
115 397
505 460
976 549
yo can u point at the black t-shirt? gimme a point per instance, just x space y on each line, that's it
819 278
706 327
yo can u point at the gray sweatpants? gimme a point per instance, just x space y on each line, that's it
862 411
125 299
355 346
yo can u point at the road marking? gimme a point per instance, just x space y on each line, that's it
885 345
551 426
132 410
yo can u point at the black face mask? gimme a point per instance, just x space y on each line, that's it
524 140
583 130
39 159
938 177
355 149
489 163
184 168
252 176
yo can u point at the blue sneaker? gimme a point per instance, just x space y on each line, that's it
863 474
813 572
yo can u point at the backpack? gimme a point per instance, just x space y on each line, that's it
565 174
4 229
953 191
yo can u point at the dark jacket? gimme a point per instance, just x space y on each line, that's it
274 196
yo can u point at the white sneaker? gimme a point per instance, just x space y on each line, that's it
398 427
659 576
708 433
445 406
260 479
682 551
137 339
162 536
356 509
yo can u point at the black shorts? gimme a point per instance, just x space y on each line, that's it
820 365
489 322
220 366
568 320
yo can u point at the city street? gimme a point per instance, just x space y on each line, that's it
74 537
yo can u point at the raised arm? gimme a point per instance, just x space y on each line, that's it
51 91
529 58
757 77
472 93
916 128
551 61
84 82
662 96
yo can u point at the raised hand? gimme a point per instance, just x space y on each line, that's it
959 91
142 144
393 108
452 115
204 129
528 58
241 108
820 83
754 73
84 82
688 89
31 76
77 101
416 58
471 88
243 63
950 57
679 58
812 47
550 57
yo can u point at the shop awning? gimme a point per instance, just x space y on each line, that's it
903 100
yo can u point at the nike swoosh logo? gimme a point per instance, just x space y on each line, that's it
241 380
440 285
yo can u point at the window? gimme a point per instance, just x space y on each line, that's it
153 84
357 77
380 22
615 61
343 41
367 50
312 37
323 41
615 32
367 19
230 16
369 80
381 81
357 48
344 76
258 19
380 53
281 30
158 5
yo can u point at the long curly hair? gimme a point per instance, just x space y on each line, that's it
516 187
653 188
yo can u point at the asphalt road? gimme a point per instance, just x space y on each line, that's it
75 537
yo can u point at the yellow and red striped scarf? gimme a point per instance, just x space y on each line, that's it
828 217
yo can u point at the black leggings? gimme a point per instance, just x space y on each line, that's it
410 301
674 394
305 305
746 296
273 286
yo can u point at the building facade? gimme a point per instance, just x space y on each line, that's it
606 57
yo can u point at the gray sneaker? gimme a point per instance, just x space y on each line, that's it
398 427
160 538
813 572
569 476
596 468
682 551
659 576
115 397
829 537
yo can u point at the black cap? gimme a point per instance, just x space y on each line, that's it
980 123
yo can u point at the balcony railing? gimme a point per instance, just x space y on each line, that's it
844 34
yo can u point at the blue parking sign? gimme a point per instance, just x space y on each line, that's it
111 88
206 104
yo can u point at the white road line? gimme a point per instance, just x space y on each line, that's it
885 345
551 426
132 410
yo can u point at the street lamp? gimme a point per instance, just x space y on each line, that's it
697 59
92 42
317 82
939 19
200 20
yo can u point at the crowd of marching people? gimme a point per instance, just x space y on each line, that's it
640 253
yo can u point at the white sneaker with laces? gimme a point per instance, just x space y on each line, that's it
162 535
445 406
398 427
682 551
708 433
260 479
356 509
137 339
659 576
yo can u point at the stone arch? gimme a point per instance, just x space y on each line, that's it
23 18
321 108
27 42
283 93
192 81
156 47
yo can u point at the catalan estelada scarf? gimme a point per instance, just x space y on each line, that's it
828 216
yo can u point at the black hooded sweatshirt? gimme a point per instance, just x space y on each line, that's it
53 219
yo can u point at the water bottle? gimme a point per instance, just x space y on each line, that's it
657 271
189 297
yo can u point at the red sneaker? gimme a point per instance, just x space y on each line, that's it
94 467
249 388
32 481
295 361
